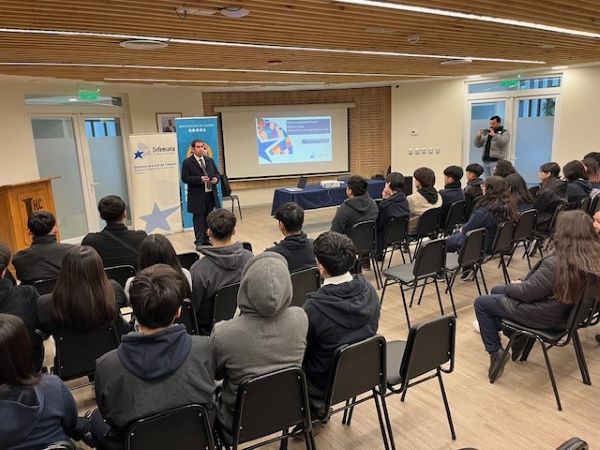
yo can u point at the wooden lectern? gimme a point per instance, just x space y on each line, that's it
17 202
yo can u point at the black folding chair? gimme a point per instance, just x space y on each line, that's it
454 217
224 304
359 369
228 195
573 444
558 338
470 207
44 286
427 227
271 403
429 346
544 237
76 354
524 234
502 246
470 257
247 246
62 445
429 262
184 428
304 282
395 237
584 204
594 205
364 236
187 260
188 317
120 273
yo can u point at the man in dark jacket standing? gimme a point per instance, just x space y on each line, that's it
157 368
394 204
43 259
344 310
296 247
358 207
201 175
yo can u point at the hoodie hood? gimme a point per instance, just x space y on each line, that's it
397 197
228 257
265 286
154 356
556 185
296 241
430 194
475 182
584 185
347 304
362 204
21 411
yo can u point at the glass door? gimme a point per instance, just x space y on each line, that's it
480 113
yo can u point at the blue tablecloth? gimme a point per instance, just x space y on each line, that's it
314 196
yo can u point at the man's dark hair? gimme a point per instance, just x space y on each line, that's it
291 215
335 252
504 168
552 168
454 172
111 208
358 185
475 168
156 293
593 155
4 257
221 223
496 118
574 170
396 181
195 141
40 223
425 176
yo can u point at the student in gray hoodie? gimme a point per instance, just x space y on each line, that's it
267 336
222 263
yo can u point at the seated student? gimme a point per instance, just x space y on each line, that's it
37 410
578 186
473 188
425 198
552 193
518 190
496 206
358 207
43 259
296 247
84 299
452 191
21 301
343 311
544 298
394 204
222 263
268 335
156 368
157 249
592 171
116 244
504 168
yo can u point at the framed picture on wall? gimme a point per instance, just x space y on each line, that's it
165 122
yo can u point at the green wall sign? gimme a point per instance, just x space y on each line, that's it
89 94
510 84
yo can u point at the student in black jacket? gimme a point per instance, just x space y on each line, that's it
43 259
552 193
394 204
578 186
344 310
452 191
473 188
296 247
358 207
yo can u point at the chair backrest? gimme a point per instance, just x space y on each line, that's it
428 223
225 302
525 226
560 208
355 369
582 311
430 259
225 186
363 234
247 246
44 286
455 215
304 282
473 248
584 204
62 445
188 317
429 346
184 428
76 354
120 273
470 207
574 444
503 241
270 403
396 230
188 259
594 205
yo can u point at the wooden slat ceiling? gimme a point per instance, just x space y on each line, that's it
299 23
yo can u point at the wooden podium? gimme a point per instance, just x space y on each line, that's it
17 202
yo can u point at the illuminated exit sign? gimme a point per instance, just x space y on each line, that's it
89 94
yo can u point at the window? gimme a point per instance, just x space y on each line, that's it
514 85
102 128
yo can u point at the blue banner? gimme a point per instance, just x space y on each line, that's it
188 129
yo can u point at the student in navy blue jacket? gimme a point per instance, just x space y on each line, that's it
394 204
452 191
496 206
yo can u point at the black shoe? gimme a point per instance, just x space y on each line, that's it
497 363
519 343
466 273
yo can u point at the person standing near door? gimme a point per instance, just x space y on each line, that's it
494 141
201 175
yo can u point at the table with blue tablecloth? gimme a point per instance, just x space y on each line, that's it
313 196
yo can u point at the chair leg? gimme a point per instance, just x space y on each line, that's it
239 208
585 374
387 422
422 290
446 405
526 254
404 391
476 268
504 270
383 291
380 418
309 438
283 445
527 350
437 290
345 415
377 271
405 308
551 374
449 289
385 252
412 296
512 252
350 411
483 279
401 253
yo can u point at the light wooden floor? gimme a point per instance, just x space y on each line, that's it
517 412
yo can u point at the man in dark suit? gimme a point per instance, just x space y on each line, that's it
201 175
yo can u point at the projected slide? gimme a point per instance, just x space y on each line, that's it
284 140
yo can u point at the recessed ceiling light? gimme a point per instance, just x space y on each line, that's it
72 99
234 12
546 46
559 67
473 77
455 62
143 44
470 16
413 38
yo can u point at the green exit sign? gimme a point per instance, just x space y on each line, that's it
510 84
88 94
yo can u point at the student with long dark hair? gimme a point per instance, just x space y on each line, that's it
578 186
592 171
552 193
544 298
519 191
36 410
